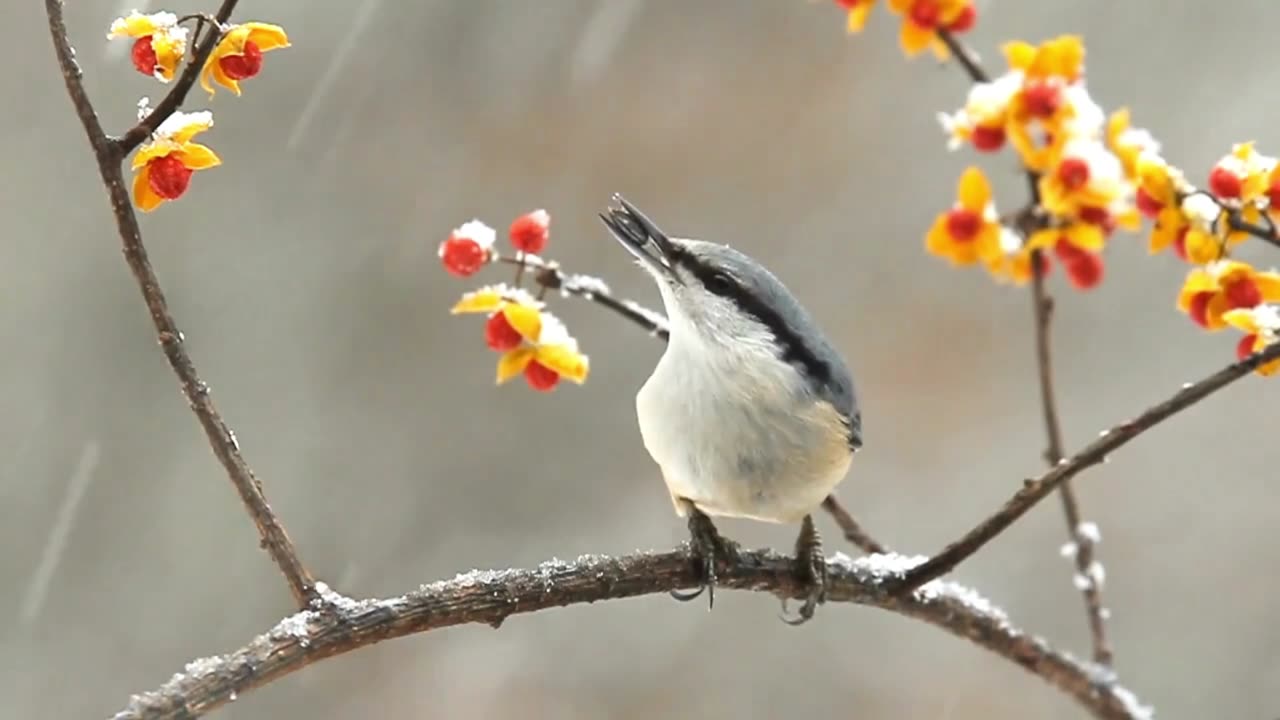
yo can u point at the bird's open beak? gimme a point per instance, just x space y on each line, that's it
641 238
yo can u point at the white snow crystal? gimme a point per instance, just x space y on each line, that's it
293 626
586 285
1201 209
653 318
1097 574
482 234
203 666
329 596
1089 531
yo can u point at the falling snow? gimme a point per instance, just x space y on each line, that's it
56 544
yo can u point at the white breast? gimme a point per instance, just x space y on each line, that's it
740 435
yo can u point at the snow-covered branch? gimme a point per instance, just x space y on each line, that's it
339 624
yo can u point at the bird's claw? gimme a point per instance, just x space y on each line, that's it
811 569
708 548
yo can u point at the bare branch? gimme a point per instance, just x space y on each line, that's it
1266 232
221 439
967 58
851 528
178 93
1095 453
1042 307
341 625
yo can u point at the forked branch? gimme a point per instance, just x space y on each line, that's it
341 625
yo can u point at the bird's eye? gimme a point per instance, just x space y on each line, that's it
719 283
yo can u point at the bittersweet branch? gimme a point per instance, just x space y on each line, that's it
109 156
1042 312
177 94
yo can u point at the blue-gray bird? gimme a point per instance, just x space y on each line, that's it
750 412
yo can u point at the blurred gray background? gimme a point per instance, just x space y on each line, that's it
304 275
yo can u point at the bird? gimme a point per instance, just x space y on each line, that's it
750 412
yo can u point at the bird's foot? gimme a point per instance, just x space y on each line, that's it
811 569
708 547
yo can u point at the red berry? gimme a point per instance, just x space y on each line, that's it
1073 172
963 224
1244 348
1065 251
1198 309
965 20
529 232
245 65
848 4
1085 270
1043 98
1242 292
1180 244
540 377
1098 216
924 14
168 177
1045 266
1147 205
144 55
499 335
1273 194
1224 183
462 256
988 138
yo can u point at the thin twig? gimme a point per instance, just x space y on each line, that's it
1042 307
221 439
177 94
1095 453
966 57
851 528
1265 233
492 596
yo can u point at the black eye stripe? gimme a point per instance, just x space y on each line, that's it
793 348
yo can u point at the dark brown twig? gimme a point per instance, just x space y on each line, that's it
109 156
966 57
851 528
1083 542
177 94
491 596
1095 453
1265 233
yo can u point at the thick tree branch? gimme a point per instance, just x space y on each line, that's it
109 156
341 625
1095 453
178 93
